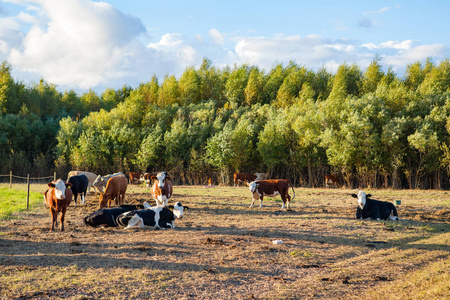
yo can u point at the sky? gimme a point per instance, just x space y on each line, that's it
82 44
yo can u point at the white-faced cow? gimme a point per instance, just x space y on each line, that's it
243 177
155 217
91 177
106 217
115 190
101 181
332 180
58 198
271 188
374 209
162 188
79 186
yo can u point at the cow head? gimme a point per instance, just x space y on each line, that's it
253 186
361 198
104 199
60 188
178 209
161 178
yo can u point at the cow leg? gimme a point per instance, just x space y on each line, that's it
63 214
260 201
253 202
54 215
288 201
75 198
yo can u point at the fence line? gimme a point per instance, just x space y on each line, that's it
28 178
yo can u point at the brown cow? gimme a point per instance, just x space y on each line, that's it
332 180
134 176
271 188
58 198
244 177
115 189
162 188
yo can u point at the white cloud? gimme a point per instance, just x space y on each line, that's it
381 10
216 36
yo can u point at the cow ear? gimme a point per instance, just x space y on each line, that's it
167 177
68 184
153 177
368 195
248 184
354 195
170 207
51 184
185 207
257 185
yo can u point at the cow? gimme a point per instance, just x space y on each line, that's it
79 186
271 188
91 177
101 181
147 178
374 209
244 177
162 188
332 180
134 176
261 176
155 217
115 189
106 217
58 198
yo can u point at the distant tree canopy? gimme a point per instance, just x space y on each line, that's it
372 127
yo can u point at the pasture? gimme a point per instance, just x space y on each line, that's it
222 249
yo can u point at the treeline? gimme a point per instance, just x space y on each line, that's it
372 127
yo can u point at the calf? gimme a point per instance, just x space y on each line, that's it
106 217
115 190
271 188
162 188
155 217
80 185
58 198
134 176
243 177
332 180
101 181
374 209
147 178
91 177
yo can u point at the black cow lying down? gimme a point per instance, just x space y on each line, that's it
106 217
374 209
155 217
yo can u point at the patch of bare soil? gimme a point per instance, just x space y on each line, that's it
221 249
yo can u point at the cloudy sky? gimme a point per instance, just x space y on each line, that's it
83 44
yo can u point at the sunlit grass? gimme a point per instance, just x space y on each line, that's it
13 201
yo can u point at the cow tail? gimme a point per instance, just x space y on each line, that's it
292 187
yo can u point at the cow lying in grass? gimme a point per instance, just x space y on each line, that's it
106 217
155 217
374 209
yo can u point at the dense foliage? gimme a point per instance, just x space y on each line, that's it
372 127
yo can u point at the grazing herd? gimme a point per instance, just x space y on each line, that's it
113 187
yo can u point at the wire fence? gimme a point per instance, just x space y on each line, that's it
28 179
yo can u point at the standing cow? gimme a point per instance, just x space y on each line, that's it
115 189
271 188
332 180
91 177
101 181
162 188
243 177
134 176
80 185
58 198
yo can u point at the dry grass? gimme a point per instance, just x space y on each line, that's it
223 250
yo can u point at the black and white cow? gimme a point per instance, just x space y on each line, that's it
155 217
374 209
106 217
80 184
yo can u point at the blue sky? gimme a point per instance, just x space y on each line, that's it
83 44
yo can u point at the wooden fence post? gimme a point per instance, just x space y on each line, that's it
10 179
28 192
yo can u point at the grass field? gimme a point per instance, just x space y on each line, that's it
222 249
